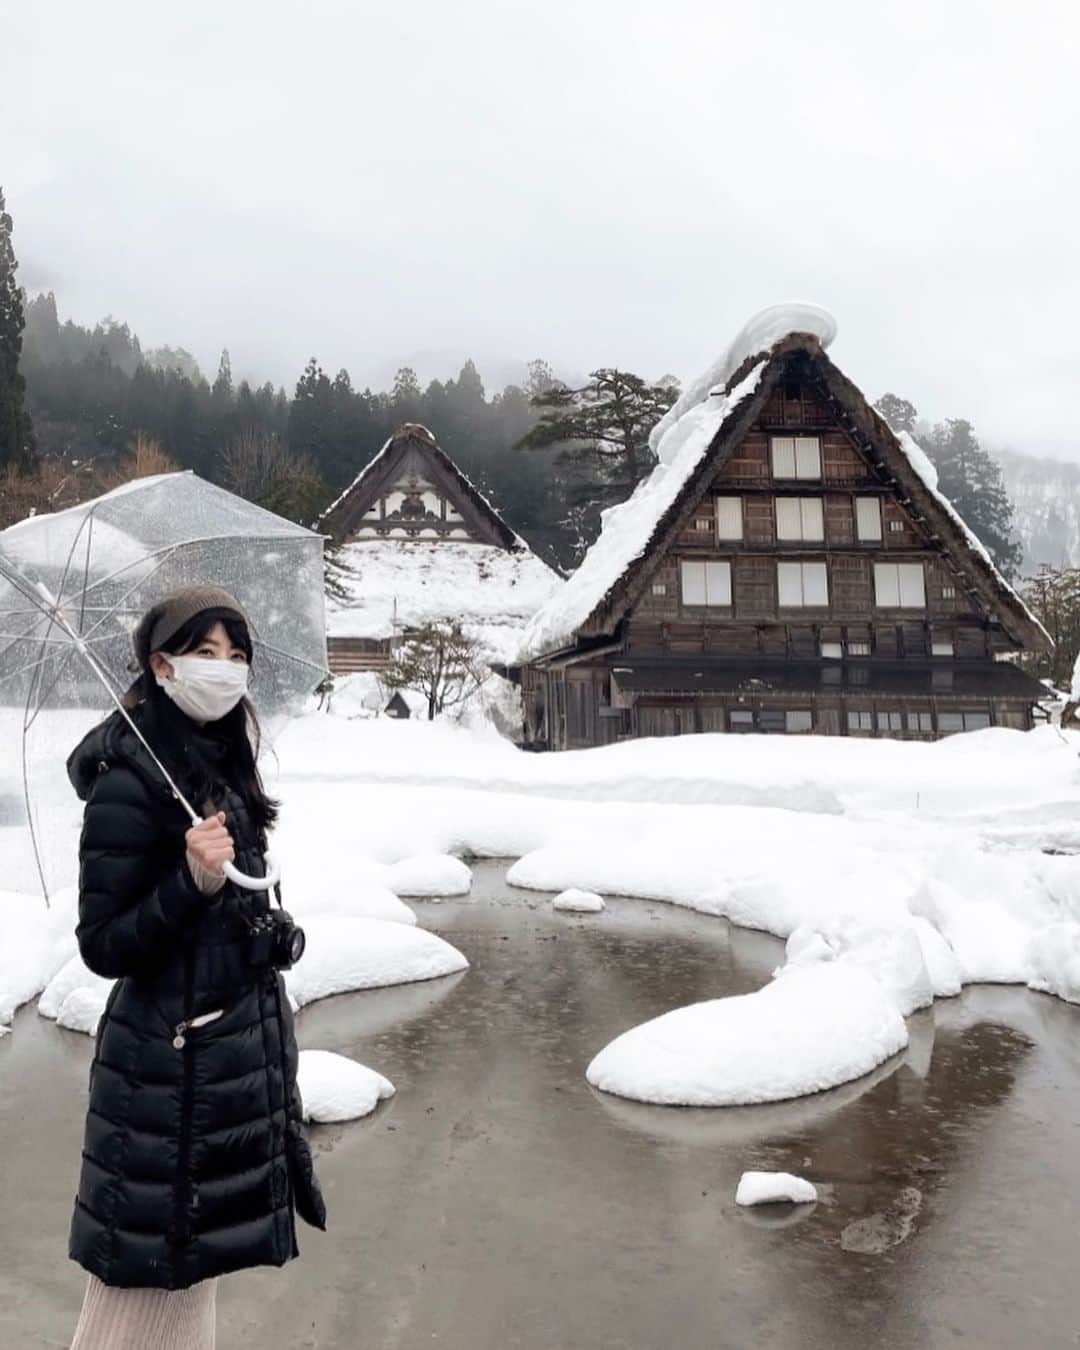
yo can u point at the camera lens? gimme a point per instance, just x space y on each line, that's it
297 945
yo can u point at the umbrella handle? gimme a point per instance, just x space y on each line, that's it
273 873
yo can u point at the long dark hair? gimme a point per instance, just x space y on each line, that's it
169 730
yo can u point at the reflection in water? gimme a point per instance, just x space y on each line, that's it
884 1158
497 1200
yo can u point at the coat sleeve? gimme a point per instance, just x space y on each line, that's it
134 910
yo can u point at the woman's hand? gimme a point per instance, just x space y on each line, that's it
210 843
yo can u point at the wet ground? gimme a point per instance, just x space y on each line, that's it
498 1201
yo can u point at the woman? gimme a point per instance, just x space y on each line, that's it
194 1159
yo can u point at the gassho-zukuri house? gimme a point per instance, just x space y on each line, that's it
788 566
420 543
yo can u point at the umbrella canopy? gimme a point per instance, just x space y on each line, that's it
104 563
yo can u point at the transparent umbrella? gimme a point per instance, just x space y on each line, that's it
73 586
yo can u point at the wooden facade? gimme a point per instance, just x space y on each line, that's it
351 655
411 498
412 491
806 580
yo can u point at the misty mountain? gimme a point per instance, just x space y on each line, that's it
1045 494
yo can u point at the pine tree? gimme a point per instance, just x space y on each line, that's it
968 475
971 478
541 378
223 385
16 432
405 397
604 429
898 412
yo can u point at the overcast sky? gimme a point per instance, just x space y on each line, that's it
598 183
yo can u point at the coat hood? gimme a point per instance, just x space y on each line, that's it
113 742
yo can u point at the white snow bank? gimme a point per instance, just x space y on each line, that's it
766 1188
761 332
360 898
75 996
1054 961
808 1030
990 943
627 529
577 901
894 956
1074 688
334 1087
35 942
429 874
347 953
385 585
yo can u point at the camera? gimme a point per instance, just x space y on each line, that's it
276 940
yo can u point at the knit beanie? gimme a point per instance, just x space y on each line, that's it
171 612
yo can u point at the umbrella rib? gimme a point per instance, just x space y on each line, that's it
289 656
169 549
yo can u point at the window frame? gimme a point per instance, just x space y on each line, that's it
705 564
898 569
862 500
738 508
802 603
793 445
801 503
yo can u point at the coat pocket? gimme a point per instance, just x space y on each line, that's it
307 1193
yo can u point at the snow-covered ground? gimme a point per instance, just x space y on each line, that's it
897 872
382 585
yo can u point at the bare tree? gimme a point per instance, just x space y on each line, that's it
1053 596
54 484
257 467
439 661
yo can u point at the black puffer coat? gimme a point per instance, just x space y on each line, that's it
194 1158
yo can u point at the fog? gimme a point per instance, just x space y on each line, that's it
599 183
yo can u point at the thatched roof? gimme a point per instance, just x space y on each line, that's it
637 533
350 505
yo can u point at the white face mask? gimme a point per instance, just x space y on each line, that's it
205 688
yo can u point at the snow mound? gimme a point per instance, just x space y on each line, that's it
360 899
894 956
759 334
429 874
766 1188
576 901
34 943
990 943
1054 960
1074 689
345 953
334 1087
810 1029
82 1010
75 997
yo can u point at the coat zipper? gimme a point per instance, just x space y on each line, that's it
191 1023
289 1199
183 1187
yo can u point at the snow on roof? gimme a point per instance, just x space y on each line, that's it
368 468
759 334
920 462
627 529
421 432
680 439
389 584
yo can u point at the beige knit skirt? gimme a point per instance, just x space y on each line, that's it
147 1319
